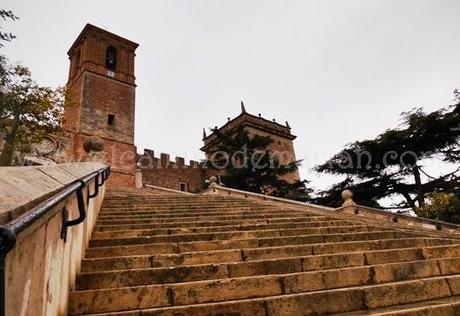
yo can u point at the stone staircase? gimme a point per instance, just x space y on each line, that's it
154 254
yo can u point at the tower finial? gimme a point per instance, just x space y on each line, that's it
204 133
243 110
287 124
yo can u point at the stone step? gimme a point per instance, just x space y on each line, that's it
183 230
206 223
293 294
185 208
444 306
309 262
230 235
170 206
173 198
264 240
125 278
187 213
449 306
202 217
191 215
136 257
248 203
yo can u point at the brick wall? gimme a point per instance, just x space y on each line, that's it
102 102
162 172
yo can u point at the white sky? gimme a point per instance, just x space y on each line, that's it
337 70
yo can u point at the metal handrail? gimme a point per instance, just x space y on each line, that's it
9 231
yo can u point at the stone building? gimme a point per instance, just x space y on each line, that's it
102 101
191 178
282 145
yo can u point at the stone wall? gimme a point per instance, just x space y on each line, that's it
162 172
41 268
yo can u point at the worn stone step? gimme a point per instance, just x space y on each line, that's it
255 268
171 224
449 306
197 207
199 218
185 209
319 292
188 246
230 235
178 206
362 298
175 198
192 215
136 257
208 229
188 202
336 247
160 214
444 306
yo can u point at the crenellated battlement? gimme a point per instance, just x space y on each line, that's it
147 160
173 174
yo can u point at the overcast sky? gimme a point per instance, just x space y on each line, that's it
337 70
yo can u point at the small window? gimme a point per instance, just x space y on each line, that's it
78 58
111 58
183 186
111 119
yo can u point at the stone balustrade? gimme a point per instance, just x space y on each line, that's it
349 207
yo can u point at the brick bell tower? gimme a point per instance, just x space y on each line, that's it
101 104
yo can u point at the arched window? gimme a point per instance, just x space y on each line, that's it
111 58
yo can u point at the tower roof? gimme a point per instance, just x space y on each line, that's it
248 120
89 28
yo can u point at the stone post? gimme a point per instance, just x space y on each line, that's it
138 177
348 206
212 183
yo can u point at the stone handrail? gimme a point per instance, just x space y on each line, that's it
349 207
167 190
214 188
49 213
389 217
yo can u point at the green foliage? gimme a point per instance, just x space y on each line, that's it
248 165
5 36
383 166
442 207
28 111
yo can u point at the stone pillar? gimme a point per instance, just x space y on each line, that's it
348 206
138 176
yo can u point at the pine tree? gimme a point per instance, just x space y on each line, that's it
392 163
248 165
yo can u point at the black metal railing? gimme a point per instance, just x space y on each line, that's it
9 231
